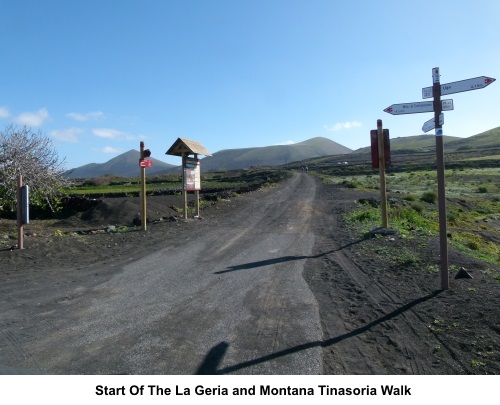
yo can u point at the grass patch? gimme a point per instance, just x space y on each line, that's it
474 245
408 259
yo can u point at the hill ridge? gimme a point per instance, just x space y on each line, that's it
125 164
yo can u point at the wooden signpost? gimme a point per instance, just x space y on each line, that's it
438 106
380 159
143 163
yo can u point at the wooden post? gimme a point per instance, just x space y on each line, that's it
20 228
143 189
184 190
443 241
197 195
381 164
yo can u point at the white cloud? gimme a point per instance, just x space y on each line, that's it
4 112
116 135
108 133
66 135
289 142
343 125
111 150
32 119
94 115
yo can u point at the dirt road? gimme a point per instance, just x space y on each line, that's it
225 300
272 282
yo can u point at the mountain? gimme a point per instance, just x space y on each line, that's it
126 165
275 155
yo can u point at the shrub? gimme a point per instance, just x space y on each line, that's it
452 216
350 184
429 197
418 207
364 216
410 197
473 245
482 189
408 259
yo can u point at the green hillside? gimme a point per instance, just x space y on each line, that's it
484 140
413 144
426 143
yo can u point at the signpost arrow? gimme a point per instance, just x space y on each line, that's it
428 125
418 107
460 86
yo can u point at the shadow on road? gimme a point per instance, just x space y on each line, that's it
283 259
216 354
212 360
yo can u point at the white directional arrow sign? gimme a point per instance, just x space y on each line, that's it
428 125
418 107
458 87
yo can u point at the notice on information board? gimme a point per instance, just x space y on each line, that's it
192 178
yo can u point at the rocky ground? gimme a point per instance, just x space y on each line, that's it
380 314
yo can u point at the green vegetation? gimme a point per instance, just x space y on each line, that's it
477 363
473 208
459 183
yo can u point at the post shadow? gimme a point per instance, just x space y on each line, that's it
212 360
283 259
215 355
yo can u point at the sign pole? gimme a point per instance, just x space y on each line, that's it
143 189
184 185
443 241
381 165
438 106
20 228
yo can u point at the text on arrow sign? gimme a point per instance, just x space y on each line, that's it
475 83
418 107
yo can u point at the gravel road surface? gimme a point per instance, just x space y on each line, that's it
228 300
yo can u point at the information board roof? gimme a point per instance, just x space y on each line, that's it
184 146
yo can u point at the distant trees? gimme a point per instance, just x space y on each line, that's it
32 155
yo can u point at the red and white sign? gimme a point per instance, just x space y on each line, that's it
460 86
145 163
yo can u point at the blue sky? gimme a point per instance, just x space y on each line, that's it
100 76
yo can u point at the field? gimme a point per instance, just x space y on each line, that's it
107 186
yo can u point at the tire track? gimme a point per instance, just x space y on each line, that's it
16 349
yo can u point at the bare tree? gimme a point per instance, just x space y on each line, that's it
32 155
